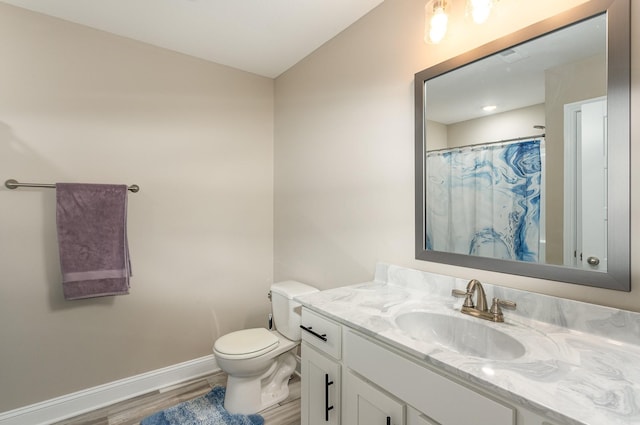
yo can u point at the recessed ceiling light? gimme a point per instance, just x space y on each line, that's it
489 108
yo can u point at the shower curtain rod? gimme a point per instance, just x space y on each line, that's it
515 139
13 184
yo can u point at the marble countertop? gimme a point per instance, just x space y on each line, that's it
575 370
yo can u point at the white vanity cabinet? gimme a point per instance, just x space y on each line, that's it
380 385
321 370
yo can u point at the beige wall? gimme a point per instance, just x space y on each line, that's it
81 105
495 127
344 155
437 135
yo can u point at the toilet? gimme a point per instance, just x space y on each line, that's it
258 361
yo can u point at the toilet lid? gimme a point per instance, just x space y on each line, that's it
255 341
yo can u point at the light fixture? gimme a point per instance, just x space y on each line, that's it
489 108
437 13
479 10
436 20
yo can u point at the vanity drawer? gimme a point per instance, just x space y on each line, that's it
322 333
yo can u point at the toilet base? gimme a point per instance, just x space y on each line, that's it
249 395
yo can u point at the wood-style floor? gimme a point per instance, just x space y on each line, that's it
131 412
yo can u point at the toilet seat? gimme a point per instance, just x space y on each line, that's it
246 344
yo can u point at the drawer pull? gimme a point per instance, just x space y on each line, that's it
326 397
309 329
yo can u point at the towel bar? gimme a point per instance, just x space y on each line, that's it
13 184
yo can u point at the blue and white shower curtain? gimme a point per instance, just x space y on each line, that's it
485 200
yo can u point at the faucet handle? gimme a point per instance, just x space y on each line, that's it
468 302
504 303
497 311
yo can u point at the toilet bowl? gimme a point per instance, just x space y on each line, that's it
258 361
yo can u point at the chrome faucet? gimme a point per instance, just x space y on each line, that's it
479 309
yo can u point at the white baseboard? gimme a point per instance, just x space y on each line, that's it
80 402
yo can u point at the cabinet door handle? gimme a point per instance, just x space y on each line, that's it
388 420
314 333
326 397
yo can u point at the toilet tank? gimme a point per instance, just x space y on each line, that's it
286 311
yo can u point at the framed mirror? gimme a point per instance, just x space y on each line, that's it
522 152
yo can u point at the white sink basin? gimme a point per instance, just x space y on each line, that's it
470 337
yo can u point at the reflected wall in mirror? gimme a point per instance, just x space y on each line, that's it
522 152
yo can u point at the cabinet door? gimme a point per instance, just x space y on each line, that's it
365 404
320 399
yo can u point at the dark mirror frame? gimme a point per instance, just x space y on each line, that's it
618 274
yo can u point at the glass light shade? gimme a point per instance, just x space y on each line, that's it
436 20
479 10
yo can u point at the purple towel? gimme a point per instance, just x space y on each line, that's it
92 239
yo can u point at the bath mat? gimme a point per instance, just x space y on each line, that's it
204 410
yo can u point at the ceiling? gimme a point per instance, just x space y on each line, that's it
265 37
515 77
